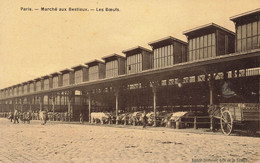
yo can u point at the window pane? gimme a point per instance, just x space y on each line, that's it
201 42
166 56
249 43
159 58
254 42
154 59
243 44
194 55
209 52
169 55
213 39
163 62
169 60
258 41
193 44
156 62
201 53
254 29
249 30
258 27
156 53
205 39
209 40
141 61
243 31
159 52
190 44
163 52
213 51
239 32
197 54
197 43
238 45
172 59
205 55
190 56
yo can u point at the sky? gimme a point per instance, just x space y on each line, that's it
37 43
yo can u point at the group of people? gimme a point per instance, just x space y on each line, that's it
16 115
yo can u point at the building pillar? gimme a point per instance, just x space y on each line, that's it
30 106
155 85
69 105
8 106
117 96
40 101
60 97
53 107
21 103
1 105
69 100
89 107
211 90
14 104
211 97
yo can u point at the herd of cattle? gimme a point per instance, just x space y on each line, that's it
136 118
128 118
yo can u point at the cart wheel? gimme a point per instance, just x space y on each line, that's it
226 122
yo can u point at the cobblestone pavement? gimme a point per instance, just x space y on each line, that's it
56 142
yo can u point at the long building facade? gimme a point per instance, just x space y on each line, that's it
173 76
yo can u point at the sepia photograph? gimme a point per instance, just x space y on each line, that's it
110 81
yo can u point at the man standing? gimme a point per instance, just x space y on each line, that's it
16 116
81 118
144 119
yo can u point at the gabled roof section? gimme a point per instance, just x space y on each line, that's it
23 83
30 81
135 50
111 57
246 15
94 63
46 77
37 79
55 74
65 71
204 29
166 41
79 67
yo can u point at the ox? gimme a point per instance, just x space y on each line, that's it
162 118
123 118
100 117
26 116
135 118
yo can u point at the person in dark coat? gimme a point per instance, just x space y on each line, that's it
81 118
144 119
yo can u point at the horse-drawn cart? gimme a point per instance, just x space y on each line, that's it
245 115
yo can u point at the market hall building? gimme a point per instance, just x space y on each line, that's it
173 76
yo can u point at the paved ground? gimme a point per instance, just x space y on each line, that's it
56 142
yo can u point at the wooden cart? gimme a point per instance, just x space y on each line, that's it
245 115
